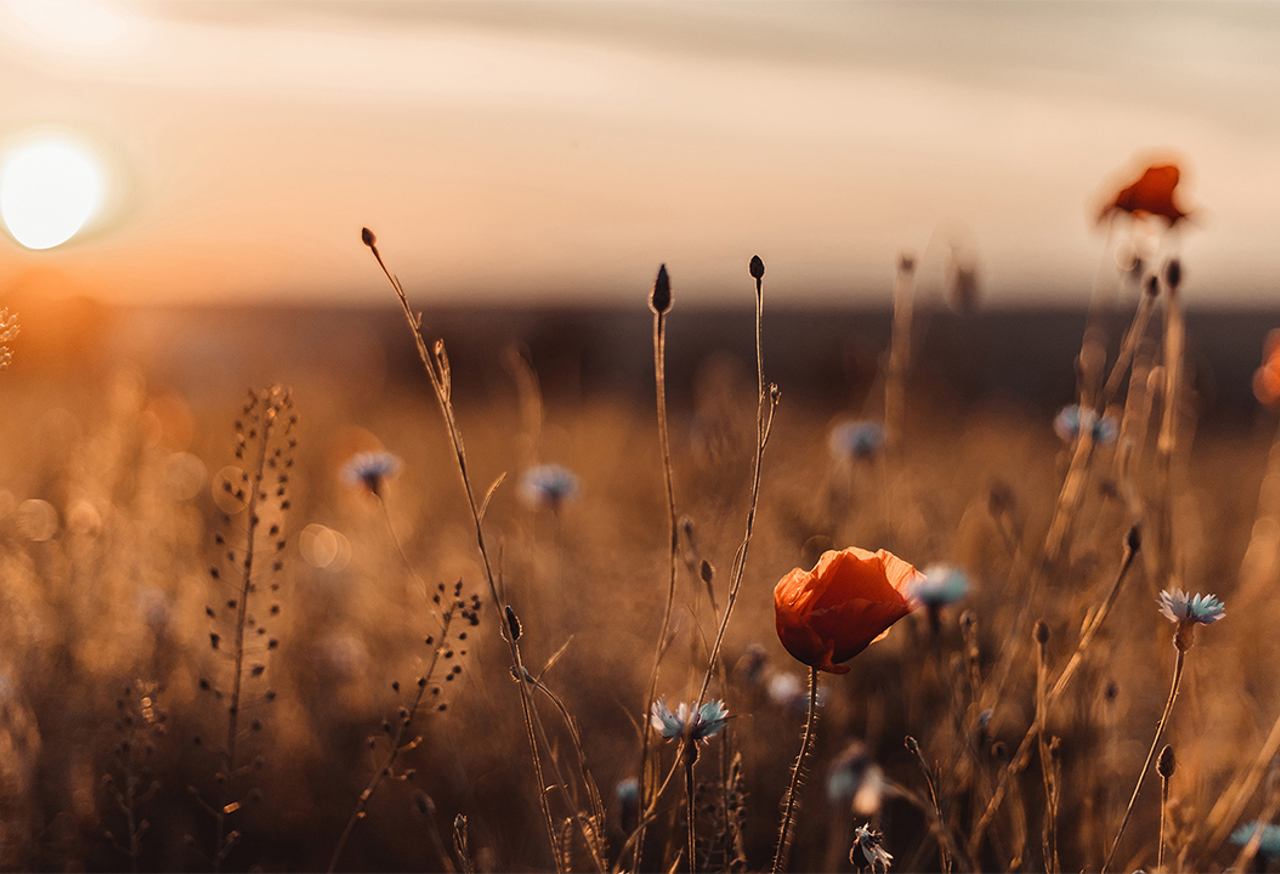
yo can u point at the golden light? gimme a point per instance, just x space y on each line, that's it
50 187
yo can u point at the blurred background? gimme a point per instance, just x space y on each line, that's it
538 160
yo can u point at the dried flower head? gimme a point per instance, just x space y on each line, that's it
830 614
1072 418
856 439
698 725
941 586
370 469
868 842
548 485
1188 611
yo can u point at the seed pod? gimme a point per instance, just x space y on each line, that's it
367 237
756 267
1173 273
1166 764
513 622
660 299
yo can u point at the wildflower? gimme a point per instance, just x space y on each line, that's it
868 841
370 469
628 791
855 780
1072 418
830 614
1269 845
941 586
1266 379
1151 194
548 485
1188 611
859 439
699 724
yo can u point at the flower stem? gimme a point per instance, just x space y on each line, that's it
690 759
1151 754
784 836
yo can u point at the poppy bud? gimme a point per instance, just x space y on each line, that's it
756 267
660 299
367 237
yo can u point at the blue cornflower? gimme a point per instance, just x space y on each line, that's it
1269 847
856 781
1178 606
548 485
860 439
1188 611
370 469
700 724
1072 418
941 585
628 791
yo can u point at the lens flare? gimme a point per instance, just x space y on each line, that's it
49 189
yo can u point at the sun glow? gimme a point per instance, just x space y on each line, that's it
49 188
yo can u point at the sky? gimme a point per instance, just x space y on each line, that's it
559 152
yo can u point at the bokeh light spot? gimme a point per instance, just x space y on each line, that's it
50 187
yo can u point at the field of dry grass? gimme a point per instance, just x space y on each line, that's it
220 650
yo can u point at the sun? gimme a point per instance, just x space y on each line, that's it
49 188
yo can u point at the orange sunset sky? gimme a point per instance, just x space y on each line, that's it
531 151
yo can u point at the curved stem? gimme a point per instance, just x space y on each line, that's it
1151 754
784 836
664 443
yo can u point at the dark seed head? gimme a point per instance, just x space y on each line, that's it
1173 273
367 237
756 267
660 299
1042 632
1133 540
1166 764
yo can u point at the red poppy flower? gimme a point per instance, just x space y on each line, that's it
1152 194
1266 379
830 614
